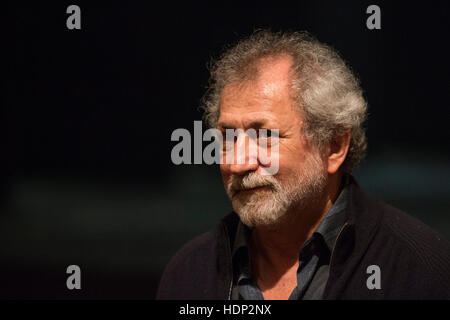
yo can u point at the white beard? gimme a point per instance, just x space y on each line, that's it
269 205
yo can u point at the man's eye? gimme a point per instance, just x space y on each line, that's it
265 133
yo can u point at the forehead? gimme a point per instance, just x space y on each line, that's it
265 98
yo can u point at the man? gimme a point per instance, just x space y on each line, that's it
308 231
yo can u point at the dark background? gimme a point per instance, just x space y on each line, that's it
87 116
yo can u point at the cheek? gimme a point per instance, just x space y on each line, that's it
292 162
291 157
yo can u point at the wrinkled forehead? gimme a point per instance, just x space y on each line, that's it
264 99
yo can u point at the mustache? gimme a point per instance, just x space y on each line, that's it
250 181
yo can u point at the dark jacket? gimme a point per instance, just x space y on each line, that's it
414 260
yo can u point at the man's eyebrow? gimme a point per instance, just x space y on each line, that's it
256 124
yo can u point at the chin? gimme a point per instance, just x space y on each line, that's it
258 213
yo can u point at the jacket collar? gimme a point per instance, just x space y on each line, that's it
353 240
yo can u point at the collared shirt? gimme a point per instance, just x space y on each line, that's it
314 257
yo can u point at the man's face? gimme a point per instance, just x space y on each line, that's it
265 103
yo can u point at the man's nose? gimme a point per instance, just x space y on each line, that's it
245 157
241 169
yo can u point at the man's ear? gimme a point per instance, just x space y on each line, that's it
337 152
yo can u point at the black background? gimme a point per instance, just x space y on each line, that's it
87 117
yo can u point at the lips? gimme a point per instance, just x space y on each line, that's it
251 189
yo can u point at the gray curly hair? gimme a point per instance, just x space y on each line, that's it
325 89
